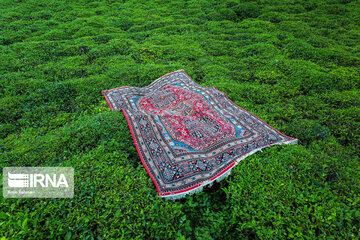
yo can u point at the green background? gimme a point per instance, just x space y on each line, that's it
293 63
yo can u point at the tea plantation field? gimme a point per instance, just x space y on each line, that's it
294 63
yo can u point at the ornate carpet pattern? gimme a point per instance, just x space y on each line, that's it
187 136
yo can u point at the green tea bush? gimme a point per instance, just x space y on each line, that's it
292 63
247 10
266 205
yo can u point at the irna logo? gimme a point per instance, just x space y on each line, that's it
35 180
38 182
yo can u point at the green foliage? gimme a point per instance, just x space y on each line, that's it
263 202
295 64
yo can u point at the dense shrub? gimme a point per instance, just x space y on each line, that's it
292 63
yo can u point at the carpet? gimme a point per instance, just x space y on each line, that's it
188 136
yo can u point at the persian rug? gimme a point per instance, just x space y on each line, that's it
188 136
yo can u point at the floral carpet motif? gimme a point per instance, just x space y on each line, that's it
186 135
